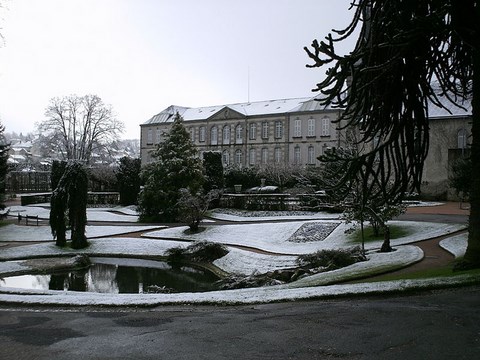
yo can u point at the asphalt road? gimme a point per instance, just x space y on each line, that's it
431 325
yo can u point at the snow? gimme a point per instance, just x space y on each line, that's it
456 245
15 232
273 237
115 214
238 216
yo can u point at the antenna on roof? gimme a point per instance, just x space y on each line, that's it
248 84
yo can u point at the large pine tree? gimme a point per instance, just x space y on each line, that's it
176 166
409 53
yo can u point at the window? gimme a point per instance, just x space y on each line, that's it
213 135
311 155
192 134
226 134
311 127
239 134
252 133
158 138
226 158
238 157
297 128
201 134
251 156
278 155
264 156
325 126
150 136
278 129
265 130
462 139
297 156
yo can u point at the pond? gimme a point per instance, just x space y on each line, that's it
120 276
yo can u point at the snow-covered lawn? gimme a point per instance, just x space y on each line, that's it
275 237
15 232
114 214
283 239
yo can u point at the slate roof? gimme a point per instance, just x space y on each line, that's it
257 108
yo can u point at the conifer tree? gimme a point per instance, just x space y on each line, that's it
176 166
409 53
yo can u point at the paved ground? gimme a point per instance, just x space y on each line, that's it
434 325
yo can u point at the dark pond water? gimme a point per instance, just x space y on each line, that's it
110 275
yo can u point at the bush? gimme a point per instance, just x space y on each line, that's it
213 167
331 259
128 180
200 252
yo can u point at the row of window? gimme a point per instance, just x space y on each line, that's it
225 132
325 127
278 156
239 133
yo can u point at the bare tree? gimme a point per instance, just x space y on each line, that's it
78 126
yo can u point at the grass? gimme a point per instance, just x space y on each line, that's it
396 232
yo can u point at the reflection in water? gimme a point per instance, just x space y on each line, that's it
120 276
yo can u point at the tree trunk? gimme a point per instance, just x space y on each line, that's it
386 240
472 255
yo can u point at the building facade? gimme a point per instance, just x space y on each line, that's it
280 132
297 131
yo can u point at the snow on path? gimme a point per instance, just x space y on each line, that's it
456 245
14 232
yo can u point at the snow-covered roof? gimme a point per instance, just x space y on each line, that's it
460 109
257 108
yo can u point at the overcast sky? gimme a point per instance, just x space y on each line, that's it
140 56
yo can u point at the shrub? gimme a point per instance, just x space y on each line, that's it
200 252
331 259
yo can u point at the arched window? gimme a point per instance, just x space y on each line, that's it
239 134
278 129
297 159
213 135
252 156
462 139
278 155
311 127
252 131
238 157
326 126
297 128
226 134
311 155
265 130
264 156
226 158
150 136
201 134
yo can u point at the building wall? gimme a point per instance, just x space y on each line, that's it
444 138
304 137
257 140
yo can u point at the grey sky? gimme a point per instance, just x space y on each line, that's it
141 56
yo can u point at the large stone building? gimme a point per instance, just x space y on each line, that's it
297 131
289 131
